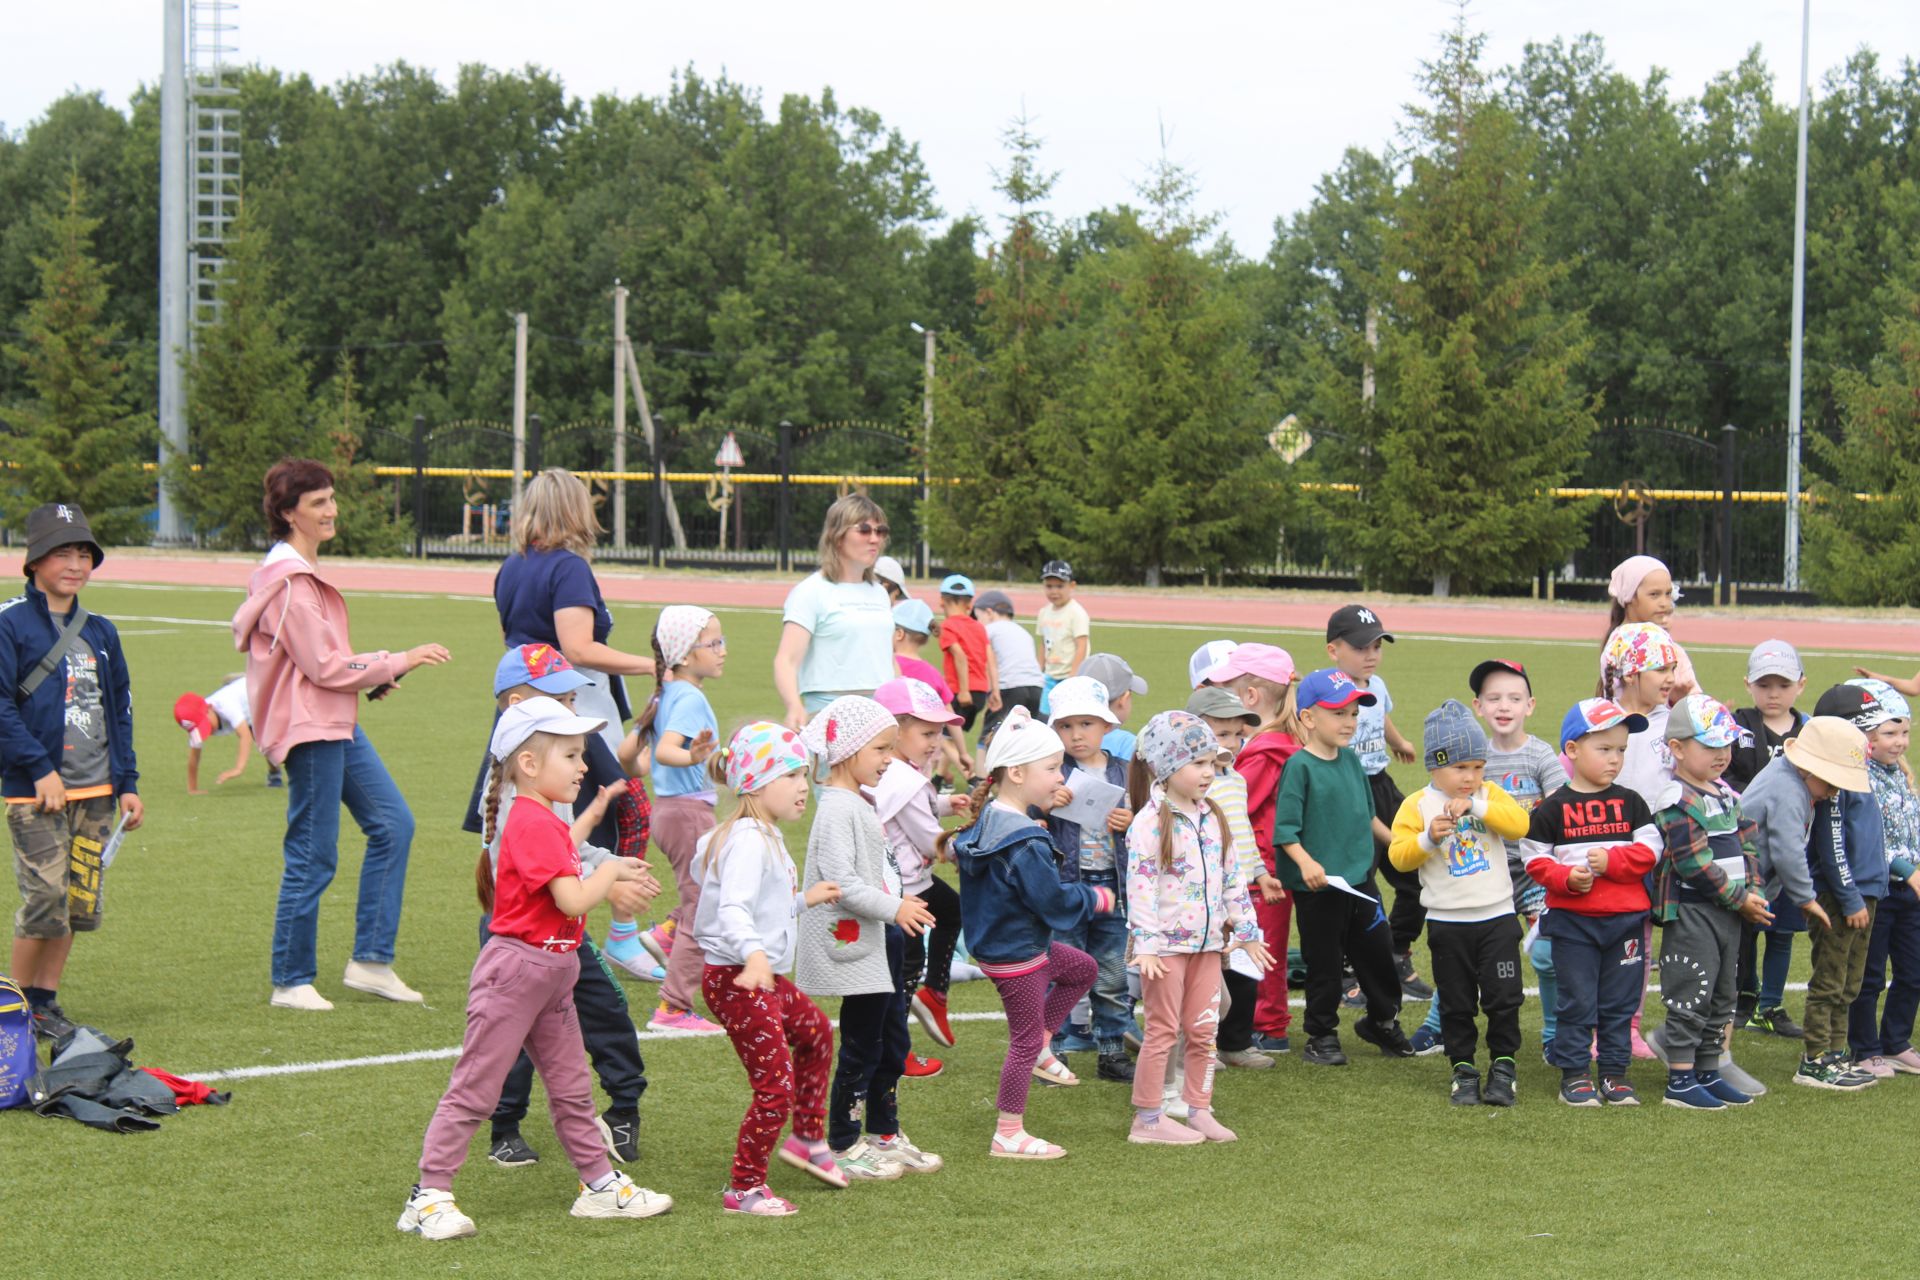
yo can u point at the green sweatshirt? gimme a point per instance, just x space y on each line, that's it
1325 807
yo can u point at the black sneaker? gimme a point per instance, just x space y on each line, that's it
1576 1090
1500 1084
1391 1040
1617 1092
1465 1091
1324 1051
1411 985
1779 1023
1117 1067
50 1022
510 1151
1269 1044
1351 997
620 1130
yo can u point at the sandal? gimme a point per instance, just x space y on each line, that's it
801 1154
760 1202
1024 1146
1050 1070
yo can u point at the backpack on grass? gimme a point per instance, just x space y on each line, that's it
18 1057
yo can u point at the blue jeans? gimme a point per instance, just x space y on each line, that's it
1896 937
321 776
1105 939
1541 954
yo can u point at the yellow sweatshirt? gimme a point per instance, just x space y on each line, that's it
1469 879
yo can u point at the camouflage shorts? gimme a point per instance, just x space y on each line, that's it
56 859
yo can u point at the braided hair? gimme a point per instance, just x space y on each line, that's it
643 724
489 828
942 846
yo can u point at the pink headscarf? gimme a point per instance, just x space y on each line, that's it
1629 574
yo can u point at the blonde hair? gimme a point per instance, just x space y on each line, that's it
1286 716
748 806
989 785
1140 795
556 511
842 516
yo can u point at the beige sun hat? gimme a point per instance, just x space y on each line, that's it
1832 750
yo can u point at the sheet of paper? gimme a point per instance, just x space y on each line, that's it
1379 912
1093 799
1242 963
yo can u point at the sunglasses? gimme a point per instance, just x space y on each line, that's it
868 530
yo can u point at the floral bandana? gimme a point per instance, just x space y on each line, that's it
1174 739
761 752
844 726
1707 721
1635 647
679 626
1891 701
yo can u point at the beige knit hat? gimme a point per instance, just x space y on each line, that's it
1832 750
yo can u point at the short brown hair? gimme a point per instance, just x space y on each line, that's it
288 481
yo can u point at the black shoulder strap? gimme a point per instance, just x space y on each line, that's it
56 655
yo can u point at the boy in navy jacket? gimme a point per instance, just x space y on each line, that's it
66 740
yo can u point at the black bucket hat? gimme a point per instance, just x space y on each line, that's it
53 525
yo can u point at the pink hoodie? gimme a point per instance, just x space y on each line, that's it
302 673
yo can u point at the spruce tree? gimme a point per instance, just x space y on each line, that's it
369 522
1478 415
247 397
77 439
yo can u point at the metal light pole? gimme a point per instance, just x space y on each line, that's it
174 319
926 454
1792 573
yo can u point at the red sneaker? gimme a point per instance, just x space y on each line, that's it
930 1009
919 1068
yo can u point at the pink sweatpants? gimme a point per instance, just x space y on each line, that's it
678 824
519 996
1186 1000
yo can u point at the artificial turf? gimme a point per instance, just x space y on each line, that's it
1361 1170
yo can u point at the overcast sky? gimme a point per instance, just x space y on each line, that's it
1258 99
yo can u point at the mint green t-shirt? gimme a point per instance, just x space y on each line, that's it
852 628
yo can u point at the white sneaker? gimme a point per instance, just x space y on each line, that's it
379 980
901 1151
622 1199
1174 1105
300 997
432 1215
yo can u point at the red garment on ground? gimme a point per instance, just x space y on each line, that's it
186 1093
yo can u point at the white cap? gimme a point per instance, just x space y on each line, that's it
1774 658
887 569
1205 658
1079 696
537 715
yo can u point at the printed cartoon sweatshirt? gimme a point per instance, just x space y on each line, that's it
1466 879
1198 898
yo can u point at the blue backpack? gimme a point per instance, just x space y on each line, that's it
19 1060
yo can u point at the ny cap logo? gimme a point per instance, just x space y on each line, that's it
1366 616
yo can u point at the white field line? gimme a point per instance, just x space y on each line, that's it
646 1035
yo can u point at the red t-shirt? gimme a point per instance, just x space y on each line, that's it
535 849
961 630
924 671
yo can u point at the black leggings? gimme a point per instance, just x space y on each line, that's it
1026 695
930 955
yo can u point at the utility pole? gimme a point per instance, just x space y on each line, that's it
620 357
174 320
926 458
1792 567
665 494
519 406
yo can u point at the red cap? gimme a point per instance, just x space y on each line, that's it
190 713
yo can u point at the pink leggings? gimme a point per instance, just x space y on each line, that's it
1037 1003
1186 999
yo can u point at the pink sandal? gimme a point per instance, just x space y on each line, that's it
815 1158
1024 1146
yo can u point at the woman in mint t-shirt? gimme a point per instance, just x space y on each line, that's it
838 632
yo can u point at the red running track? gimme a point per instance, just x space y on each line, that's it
1239 612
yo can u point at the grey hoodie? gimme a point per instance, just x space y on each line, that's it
1778 802
841 949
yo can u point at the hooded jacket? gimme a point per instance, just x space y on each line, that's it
1260 763
33 734
302 673
1010 891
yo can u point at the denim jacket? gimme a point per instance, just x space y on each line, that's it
1066 833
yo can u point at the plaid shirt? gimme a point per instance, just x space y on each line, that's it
1688 826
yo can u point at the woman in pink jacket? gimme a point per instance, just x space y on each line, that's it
304 680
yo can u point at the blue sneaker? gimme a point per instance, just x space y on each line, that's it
1073 1040
275 778
633 959
1269 1044
1719 1087
1426 1042
1684 1090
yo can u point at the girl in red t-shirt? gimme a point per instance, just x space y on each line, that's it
521 992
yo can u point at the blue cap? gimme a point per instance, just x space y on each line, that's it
957 584
540 665
1591 715
913 615
1331 687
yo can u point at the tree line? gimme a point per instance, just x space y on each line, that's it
1428 346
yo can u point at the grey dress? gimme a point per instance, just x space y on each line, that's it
841 949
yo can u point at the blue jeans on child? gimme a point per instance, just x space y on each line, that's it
1896 937
1105 939
321 776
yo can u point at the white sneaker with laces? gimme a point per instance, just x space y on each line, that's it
899 1150
379 980
432 1215
300 997
621 1199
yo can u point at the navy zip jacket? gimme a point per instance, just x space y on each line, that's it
1847 849
1010 891
33 734
1066 834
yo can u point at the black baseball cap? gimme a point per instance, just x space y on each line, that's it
1358 625
59 524
1853 703
1492 665
1057 569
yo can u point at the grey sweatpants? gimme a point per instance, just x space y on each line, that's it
1699 971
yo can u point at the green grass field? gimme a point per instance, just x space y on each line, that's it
1364 1170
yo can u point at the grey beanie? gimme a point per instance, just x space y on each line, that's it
1453 736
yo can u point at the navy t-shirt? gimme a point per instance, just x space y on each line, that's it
532 586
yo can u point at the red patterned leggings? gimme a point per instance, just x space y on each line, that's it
786 1045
